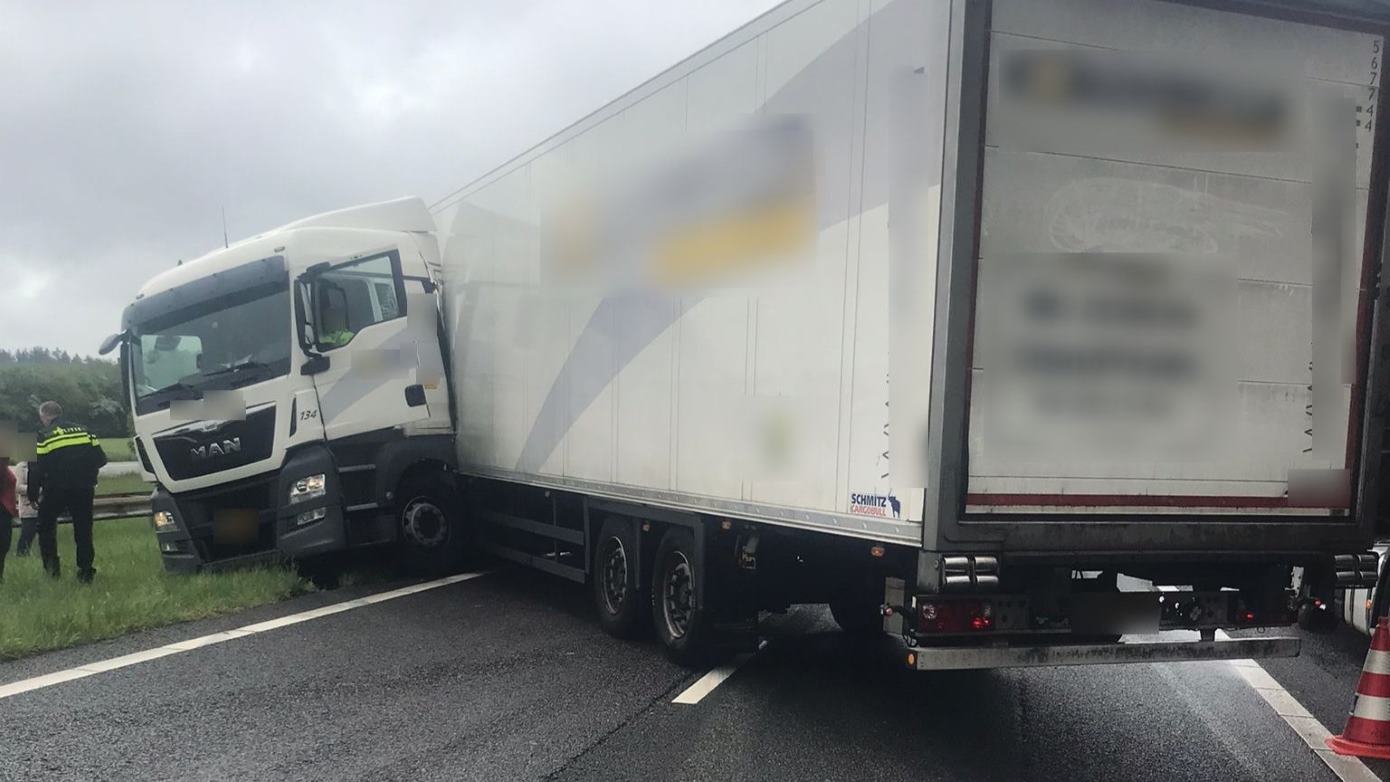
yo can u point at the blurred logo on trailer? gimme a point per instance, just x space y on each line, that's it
707 215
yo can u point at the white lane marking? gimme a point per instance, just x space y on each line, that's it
135 658
713 678
1198 702
1347 769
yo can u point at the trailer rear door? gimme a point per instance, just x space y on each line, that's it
1171 297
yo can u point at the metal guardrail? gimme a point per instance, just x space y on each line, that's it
117 506
114 506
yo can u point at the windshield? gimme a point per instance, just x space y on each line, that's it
227 342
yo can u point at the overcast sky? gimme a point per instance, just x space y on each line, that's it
126 127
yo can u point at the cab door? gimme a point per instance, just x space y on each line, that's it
363 357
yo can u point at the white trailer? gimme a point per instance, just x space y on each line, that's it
943 312
1019 284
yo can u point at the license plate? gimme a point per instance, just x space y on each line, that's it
1115 613
235 526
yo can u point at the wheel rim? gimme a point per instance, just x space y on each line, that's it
614 576
676 595
424 523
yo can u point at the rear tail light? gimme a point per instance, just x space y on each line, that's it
1266 615
955 616
983 619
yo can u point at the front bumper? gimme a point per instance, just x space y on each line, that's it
198 540
955 658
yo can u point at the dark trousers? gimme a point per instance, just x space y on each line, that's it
78 504
28 528
6 531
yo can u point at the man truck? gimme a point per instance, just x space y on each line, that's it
962 317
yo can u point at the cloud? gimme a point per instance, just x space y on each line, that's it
29 284
130 126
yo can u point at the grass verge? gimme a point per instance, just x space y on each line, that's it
126 483
131 592
117 449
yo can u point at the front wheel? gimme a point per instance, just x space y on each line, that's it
431 532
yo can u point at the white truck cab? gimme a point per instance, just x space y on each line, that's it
289 392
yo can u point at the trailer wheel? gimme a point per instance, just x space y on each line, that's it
680 621
431 532
621 601
1318 620
858 617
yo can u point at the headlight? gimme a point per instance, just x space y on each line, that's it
163 520
308 488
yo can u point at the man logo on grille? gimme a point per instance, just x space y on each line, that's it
222 448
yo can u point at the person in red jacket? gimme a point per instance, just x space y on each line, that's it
8 509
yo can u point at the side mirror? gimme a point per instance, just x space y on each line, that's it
314 364
304 326
110 343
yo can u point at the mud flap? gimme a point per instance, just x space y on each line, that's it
729 588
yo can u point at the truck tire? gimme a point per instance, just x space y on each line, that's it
858 617
431 533
325 572
680 622
623 603
1317 620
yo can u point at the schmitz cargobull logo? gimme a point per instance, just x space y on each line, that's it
875 505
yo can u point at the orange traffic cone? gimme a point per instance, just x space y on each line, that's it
1368 726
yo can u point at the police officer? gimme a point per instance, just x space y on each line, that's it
63 478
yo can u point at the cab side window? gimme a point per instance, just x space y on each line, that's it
353 296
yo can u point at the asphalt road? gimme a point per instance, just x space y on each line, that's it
508 676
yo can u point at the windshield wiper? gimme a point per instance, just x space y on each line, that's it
180 387
248 364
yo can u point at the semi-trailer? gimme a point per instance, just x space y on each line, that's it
947 313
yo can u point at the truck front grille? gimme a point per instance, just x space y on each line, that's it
194 451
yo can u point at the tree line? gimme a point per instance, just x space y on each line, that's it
88 388
42 355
